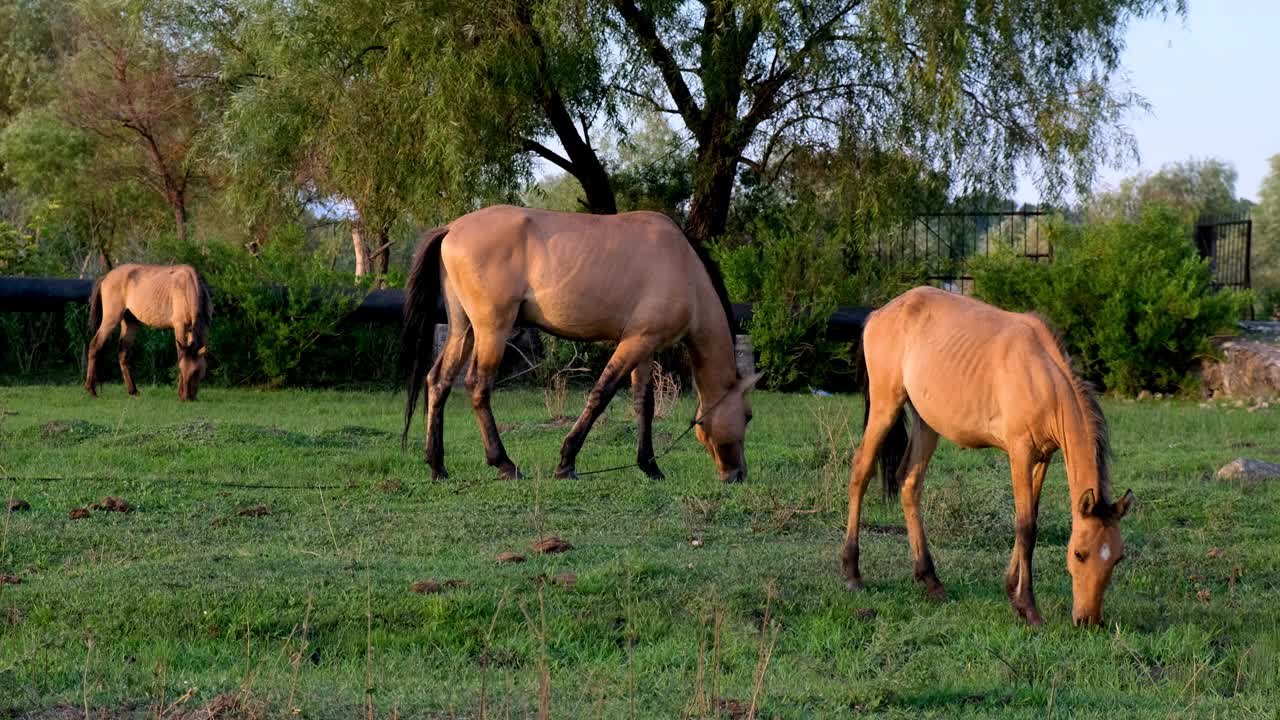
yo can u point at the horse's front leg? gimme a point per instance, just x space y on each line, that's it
880 421
643 402
1028 475
625 358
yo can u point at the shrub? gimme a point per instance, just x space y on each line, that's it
794 279
274 312
1132 298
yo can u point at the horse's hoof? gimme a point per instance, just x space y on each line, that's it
854 585
134 392
93 392
438 475
655 474
510 472
565 473
936 592
1031 615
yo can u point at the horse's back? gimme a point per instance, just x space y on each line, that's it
161 296
974 372
579 275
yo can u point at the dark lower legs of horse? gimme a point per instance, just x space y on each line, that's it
128 331
924 440
643 401
101 335
630 354
484 369
439 383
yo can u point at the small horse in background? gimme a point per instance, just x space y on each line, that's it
161 296
632 278
982 377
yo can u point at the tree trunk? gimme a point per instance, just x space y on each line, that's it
714 171
180 216
362 250
382 256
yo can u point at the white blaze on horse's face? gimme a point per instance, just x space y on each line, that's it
1095 548
722 430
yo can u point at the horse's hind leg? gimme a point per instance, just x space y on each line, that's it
879 422
630 352
489 346
128 331
1028 477
112 314
439 383
924 440
643 401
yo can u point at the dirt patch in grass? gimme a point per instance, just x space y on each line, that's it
551 544
16 505
253 511
10 580
558 422
509 557
111 503
78 514
70 430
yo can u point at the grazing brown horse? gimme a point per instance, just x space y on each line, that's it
982 377
632 278
162 296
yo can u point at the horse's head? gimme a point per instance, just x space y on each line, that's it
1093 551
723 427
192 365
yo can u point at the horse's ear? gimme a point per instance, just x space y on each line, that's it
1088 501
1124 504
747 383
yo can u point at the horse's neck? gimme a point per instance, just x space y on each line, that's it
715 367
1080 451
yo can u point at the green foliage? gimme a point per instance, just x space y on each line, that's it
1266 241
1131 298
795 279
1194 189
274 310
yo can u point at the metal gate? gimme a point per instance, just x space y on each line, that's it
1228 245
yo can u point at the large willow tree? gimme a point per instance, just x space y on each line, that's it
427 99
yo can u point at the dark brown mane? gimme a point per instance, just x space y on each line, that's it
1095 421
717 281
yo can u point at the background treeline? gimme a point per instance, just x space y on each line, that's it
275 143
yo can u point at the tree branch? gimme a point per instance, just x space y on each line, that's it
647 34
547 153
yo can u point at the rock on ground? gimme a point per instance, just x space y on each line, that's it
1247 469
1248 369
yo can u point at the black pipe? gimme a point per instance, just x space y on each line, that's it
25 294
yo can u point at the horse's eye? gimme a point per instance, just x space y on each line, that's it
1082 555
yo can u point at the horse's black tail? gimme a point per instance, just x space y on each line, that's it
893 449
417 339
95 308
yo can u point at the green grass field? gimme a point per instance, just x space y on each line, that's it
307 611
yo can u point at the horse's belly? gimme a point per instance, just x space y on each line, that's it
574 322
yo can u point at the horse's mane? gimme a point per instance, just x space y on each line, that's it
717 281
1095 422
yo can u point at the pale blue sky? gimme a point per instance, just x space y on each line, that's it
1213 82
